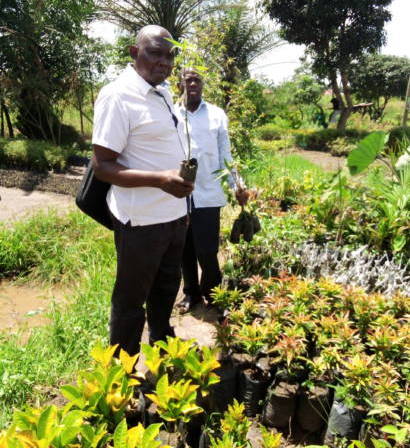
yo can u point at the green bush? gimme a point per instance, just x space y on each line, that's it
33 154
321 140
342 146
269 145
397 135
269 132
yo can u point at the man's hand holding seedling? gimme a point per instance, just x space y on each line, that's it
242 196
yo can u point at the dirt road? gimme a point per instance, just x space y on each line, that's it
17 204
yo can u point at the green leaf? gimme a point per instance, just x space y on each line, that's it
114 375
357 444
162 388
22 421
389 429
45 422
399 241
151 433
88 432
366 152
401 435
68 435
174 42
72 393
120 435
381 443
74 418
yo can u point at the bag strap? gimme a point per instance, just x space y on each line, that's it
174 118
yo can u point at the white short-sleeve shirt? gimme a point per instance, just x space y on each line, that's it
132 119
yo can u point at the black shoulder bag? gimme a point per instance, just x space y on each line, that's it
92 198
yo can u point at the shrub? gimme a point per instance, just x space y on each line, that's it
33 154
269 132
321 140
342 146
397 135
268 145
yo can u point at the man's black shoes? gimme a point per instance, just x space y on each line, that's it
188 303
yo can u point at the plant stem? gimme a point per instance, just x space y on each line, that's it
188 137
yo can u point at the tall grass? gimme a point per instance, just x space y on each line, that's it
49 248
71 116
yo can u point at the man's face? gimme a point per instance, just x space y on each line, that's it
192 84
154 59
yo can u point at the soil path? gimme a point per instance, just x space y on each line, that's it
16 204
323 159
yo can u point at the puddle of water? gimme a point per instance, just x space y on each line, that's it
25 305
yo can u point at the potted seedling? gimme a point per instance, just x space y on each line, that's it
353 391
226 299
388 403
314 400
176 405
232 430
53 427
270 439
253 381
288 360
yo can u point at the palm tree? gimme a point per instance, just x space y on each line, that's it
174 15
245 38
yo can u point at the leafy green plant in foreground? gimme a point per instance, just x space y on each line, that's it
176 402
137 436
53 427
235 423
106 389
183 360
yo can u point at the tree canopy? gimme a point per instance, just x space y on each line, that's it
43 50
377 78
335 33
175 15
241 36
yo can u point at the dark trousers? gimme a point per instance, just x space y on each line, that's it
148 273
201 247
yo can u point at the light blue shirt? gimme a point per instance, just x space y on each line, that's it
208 129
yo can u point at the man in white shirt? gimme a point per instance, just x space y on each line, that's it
207 125
138 147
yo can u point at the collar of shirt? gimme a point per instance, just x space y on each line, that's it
138 81
202 104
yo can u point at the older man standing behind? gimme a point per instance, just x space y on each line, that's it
138 149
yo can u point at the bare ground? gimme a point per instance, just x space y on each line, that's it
323 159
16 204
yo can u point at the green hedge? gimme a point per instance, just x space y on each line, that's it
272 145
321 140
269 132
340 143
33 155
